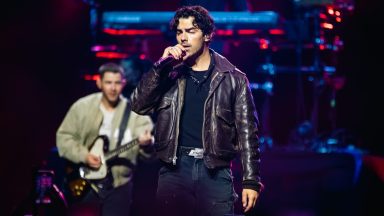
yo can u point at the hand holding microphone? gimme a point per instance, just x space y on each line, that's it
172 56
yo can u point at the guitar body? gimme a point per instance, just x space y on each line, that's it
99 147
80 177
75 187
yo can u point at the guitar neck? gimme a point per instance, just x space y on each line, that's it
120 149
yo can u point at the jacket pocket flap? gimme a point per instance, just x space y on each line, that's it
225 115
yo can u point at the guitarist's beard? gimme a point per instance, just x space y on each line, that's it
110 101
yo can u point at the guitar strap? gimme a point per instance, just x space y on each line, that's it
123 124
107 183
103 186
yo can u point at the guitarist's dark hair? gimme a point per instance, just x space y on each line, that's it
111 67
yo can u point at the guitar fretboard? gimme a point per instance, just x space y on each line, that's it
121 149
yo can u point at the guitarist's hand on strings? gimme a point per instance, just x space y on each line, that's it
146 139
93 161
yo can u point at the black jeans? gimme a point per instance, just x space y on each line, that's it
192 189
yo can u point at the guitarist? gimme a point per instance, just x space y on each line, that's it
102 114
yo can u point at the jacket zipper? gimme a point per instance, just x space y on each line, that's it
176 140
205 102
177 128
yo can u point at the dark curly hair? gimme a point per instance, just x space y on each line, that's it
202 18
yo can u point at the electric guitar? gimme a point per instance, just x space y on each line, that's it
79 177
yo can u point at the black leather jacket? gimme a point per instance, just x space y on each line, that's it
230 123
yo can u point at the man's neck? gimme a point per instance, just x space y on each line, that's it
202 61
110 107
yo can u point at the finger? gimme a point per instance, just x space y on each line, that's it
248 206
244 199
182 51
249 201
169 51
174 51
94 157
145 138
177 51
97 159
95 164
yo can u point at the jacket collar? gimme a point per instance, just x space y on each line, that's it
221 63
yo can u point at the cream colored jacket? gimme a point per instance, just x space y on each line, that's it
80 128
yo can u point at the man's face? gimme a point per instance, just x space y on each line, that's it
190 37
111 85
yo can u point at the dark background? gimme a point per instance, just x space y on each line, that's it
45 51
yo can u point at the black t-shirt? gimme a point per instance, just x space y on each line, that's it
192 115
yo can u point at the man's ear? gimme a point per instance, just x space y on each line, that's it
208 37
124 82
98 82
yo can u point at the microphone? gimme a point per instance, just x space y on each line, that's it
162 62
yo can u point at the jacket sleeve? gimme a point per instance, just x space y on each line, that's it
68 140
247 125
148 92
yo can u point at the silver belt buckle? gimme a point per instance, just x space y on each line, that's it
196 153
